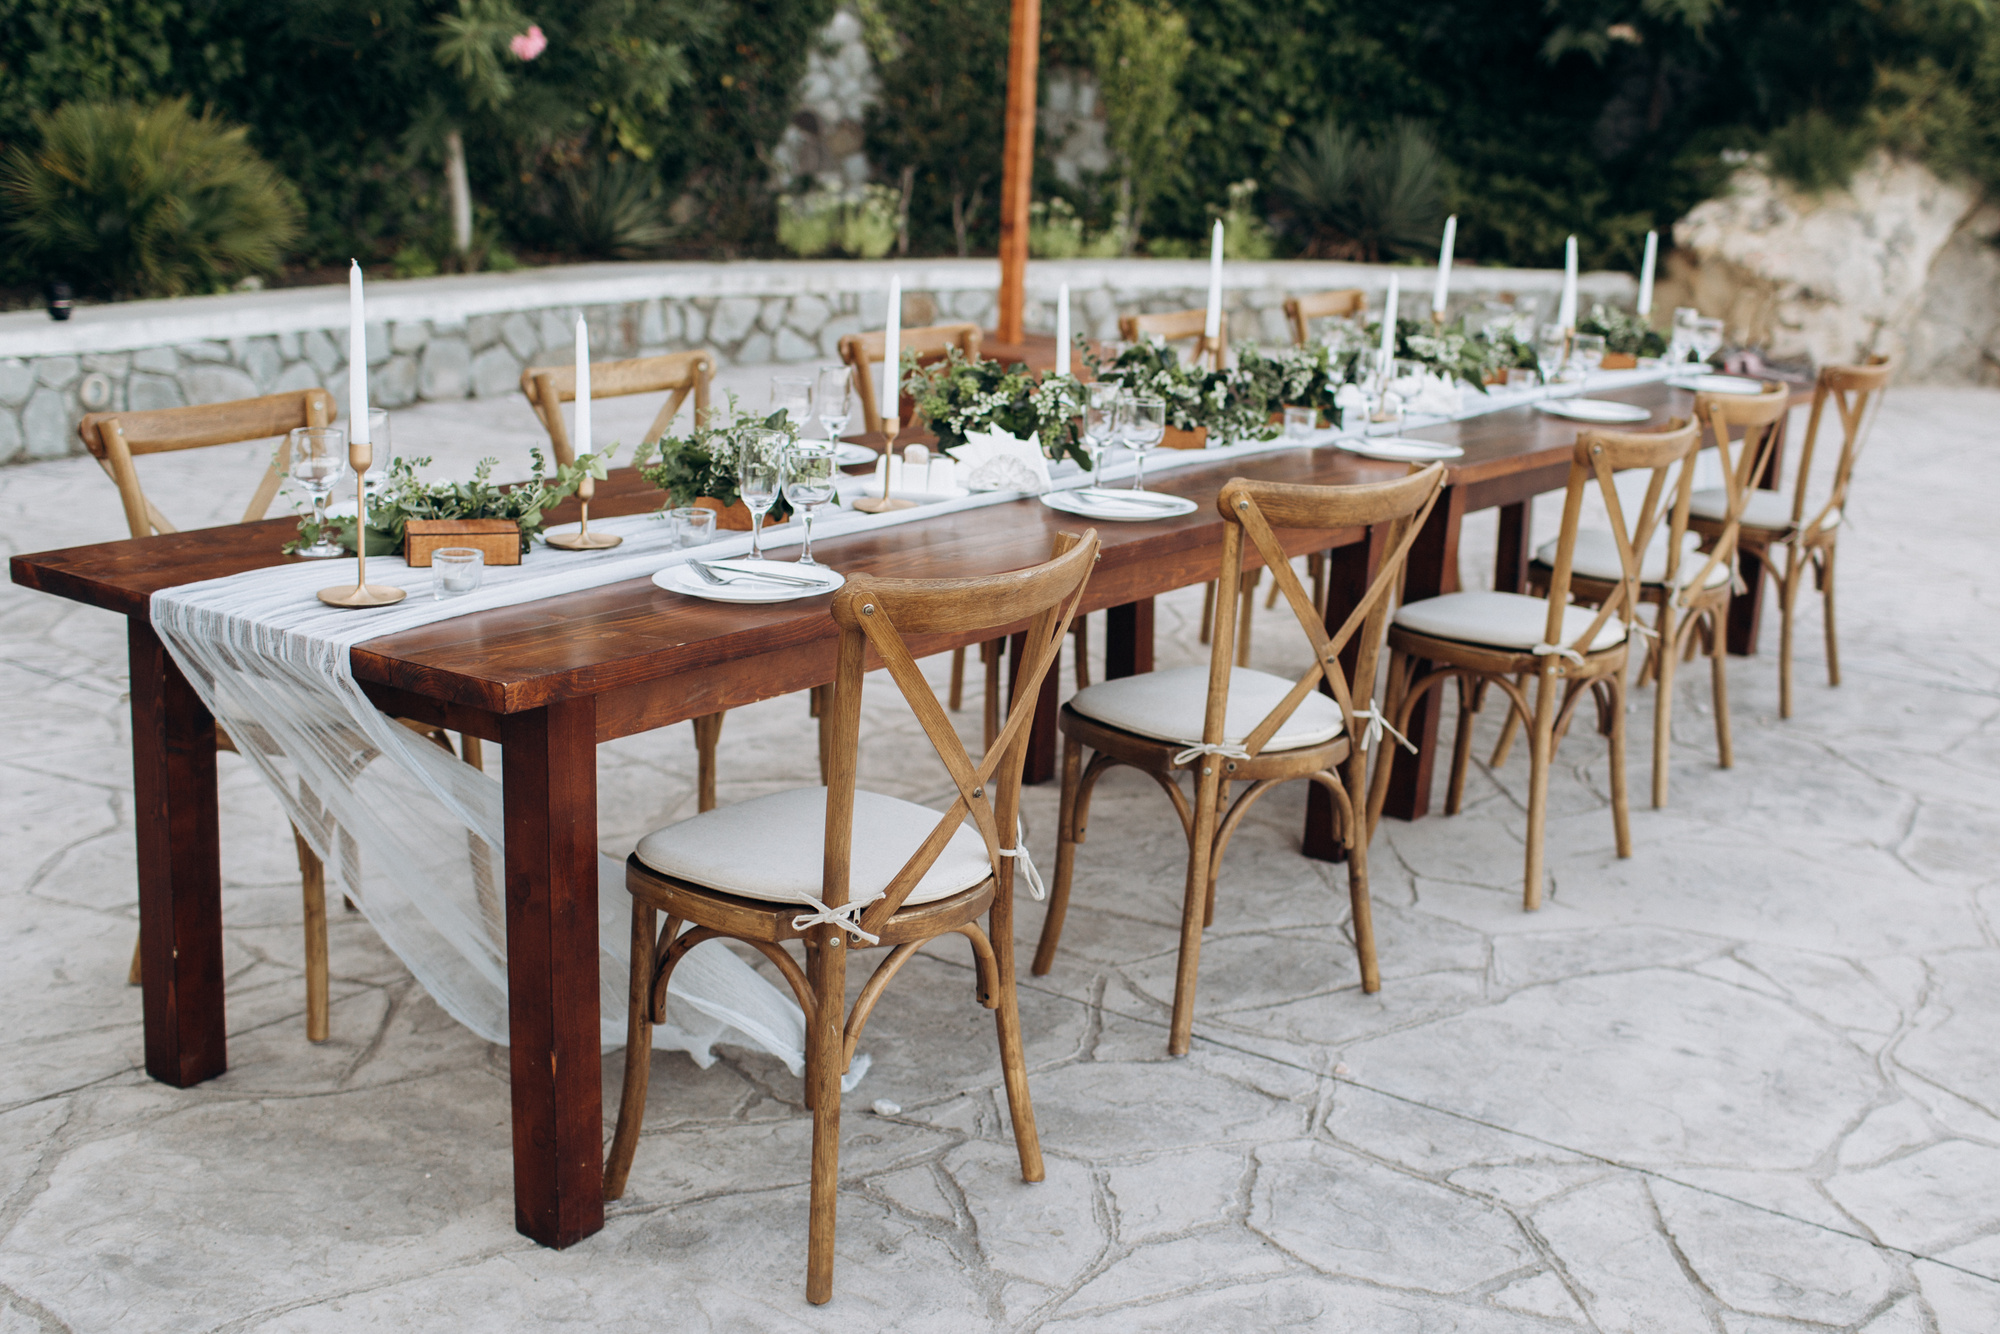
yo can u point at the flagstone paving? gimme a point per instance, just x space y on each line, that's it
1745 1082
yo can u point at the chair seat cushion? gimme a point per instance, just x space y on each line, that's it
774 848
1502 620
1597 558
1766 509
1172 705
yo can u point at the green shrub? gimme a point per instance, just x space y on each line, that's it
1357 200
862 223
610 210
131 200
1815 152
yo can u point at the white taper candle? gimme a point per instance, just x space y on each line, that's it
892 355
581 444
1444 264
1646 273
1062 330
1566 312
1388 353
357 358
1212 327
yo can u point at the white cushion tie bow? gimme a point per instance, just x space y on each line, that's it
1557 651
1036 890
1378 723
1193 753
843 917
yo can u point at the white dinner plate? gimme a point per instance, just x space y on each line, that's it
1117 510
1399 449
851 455
1599 410
682 579
1717 384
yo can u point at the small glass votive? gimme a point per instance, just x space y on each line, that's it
1299 422
1520 377
693 525
456 571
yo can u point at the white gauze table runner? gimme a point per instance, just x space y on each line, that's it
416 836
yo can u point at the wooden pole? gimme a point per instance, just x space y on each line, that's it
1018 164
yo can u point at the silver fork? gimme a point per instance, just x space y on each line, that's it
740 575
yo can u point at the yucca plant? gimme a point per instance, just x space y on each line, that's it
126 199
1358 200
610 209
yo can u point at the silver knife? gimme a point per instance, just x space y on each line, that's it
759 574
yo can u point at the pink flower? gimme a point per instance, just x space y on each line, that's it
529 44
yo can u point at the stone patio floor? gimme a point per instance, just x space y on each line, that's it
1747 1081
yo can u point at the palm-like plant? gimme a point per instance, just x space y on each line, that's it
132 200
1363 201
610 209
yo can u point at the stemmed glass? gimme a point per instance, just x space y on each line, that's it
1707 336
1146 429
1551 349
1588 351
318 456
834 397
760 466
377 475
793 393
808 485
1100 425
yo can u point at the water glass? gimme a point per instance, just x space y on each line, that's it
833 396
1147 428
760 468
793 393
693 525
1551 350
1299 423
1707 338
1587 351
1520 377
1100 425
809 474
316 456
456 571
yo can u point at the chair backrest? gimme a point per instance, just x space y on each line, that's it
115 438
885 616
1255 512
677 374
1599 457
1301 311
1760 419
1173 325
930 343
1856 393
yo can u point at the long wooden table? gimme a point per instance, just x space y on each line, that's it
550 680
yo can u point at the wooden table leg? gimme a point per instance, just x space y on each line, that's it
1041 761
549 769
1349 570
1128 639
1432 570
180 872
1510 559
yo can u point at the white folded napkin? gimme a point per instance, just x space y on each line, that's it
1001 461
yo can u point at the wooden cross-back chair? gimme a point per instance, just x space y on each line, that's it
1228 724
1301 311
676 374
114 439
1483 639
1689 589
864 351
1772 521
837 868
1171 326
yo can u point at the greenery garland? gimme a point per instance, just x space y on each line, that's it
405 497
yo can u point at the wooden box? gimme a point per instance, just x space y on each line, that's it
500 539
731 518
1618 361
1195 439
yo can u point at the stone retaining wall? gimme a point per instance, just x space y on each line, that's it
452 338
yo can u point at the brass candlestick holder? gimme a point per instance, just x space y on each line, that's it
891 428
583 539
360 454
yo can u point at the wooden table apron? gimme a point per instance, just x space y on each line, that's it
550 680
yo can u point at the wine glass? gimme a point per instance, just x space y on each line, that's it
1146 428
834 397
1100 425
760 467
377 475
317 456
793 393
1551 350
1707 336
809 475
1588 352
1682 342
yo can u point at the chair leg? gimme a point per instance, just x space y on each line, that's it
638 1053
1080 643
1541 745
1364 914
1788 591
1508 726
1249 607
312 888
1058 908
989 654
1461 751
1826 602
132 978
1214 860
1621 807
957 696
707 732
1718 657
1013 1054
1207 611
1180 1034
1666 651
1316 571
824 1039
472 750
823 712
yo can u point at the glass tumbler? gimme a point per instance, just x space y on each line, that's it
456 571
